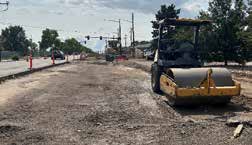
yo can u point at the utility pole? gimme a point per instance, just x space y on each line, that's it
133 35
125 39
120 36
7 6
131 39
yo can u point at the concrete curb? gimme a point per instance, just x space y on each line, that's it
20 74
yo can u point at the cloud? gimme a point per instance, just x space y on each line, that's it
148 6
195 6
62 1
190 7
56 12
22 11
78 2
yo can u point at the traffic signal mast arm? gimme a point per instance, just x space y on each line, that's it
100 37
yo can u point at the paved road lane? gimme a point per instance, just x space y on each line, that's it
12 67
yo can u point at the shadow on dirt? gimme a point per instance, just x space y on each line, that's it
100 62
211 112
9 130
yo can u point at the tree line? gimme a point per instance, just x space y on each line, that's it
13 38
228 38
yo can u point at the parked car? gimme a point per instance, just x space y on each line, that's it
59 55
149 54
110 57
121 58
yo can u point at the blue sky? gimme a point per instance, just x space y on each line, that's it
78 18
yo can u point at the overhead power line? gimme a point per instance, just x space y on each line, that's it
23 25
39 27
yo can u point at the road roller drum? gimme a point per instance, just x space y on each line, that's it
198 86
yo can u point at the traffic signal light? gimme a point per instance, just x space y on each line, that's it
88 37
100 37
85 42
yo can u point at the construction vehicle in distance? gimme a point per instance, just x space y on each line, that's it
178 72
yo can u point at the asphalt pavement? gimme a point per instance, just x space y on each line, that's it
13 67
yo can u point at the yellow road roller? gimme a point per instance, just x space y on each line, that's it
178 72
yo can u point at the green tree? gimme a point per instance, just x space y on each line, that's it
14 39
164 13
58 44
207 40
72 45
245 39
31 44
227 25
49 38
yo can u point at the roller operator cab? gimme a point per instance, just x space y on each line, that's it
178 72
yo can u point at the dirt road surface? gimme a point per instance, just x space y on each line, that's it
99 103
